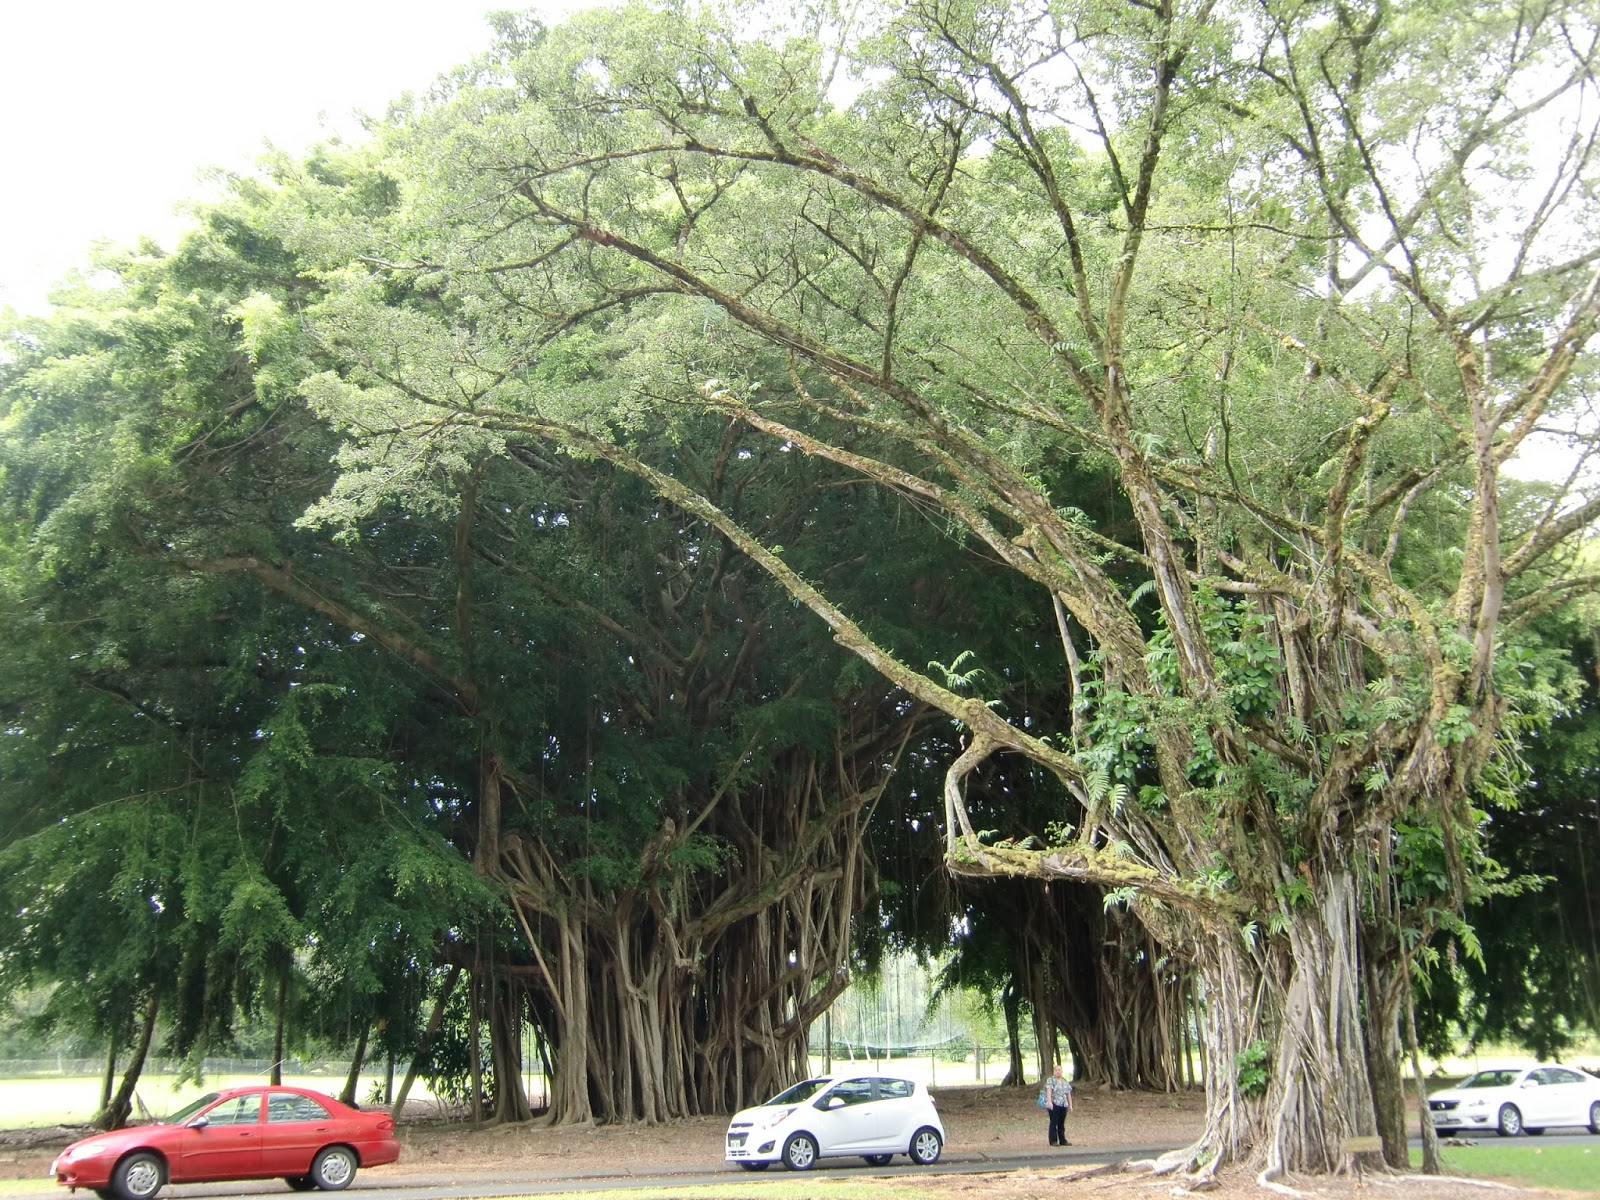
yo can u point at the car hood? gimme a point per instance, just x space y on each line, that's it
113 1142
1467 1095
763 1114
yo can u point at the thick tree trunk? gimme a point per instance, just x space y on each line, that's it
505 1052
1286 1067
116 1113
1386 984
571 1101
1383 991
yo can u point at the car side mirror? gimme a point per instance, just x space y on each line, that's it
835 1102
199 1122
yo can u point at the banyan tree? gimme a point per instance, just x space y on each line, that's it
1301 278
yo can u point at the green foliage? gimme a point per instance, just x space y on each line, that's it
507 455
1252 1068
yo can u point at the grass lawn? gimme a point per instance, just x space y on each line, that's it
1524 1162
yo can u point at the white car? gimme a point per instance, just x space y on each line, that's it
1513 1100
834 1116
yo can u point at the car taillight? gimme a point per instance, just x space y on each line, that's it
385 1125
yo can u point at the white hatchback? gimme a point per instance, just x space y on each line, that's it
1513 1100
835 1116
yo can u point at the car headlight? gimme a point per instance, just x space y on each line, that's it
76 1153
1479 1103
774 1118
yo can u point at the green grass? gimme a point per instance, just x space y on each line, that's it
24 1187
1569 1168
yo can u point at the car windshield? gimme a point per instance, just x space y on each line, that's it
800 1092
189 1110
1489 1079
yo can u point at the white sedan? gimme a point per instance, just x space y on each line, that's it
1513 1100
833 1116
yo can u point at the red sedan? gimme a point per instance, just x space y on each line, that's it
309 1139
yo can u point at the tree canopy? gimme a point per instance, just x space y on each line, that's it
1209 328
1288 276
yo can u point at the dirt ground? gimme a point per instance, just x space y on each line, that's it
977 1121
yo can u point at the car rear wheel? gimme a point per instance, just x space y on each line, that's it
1594 1117
878 1160
800 1152
299 1183
139 1176
925 1146
333 1168
1510 1121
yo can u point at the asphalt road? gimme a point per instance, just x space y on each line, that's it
389 1184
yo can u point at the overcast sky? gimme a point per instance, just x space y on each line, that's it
112 107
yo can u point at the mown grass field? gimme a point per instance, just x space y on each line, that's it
1525 1163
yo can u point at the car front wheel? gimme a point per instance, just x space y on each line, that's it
333 1168
1510 1121
800 1152
925 1146
139 1176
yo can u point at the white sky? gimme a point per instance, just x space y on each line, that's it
112 107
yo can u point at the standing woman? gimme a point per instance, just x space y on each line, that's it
1059 1092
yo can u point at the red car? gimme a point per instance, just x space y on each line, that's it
309 1139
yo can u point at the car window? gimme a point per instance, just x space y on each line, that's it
799 1092
286 1106
895 1089
1489 1079
240 1110
189 1110
853 1091
1562 1075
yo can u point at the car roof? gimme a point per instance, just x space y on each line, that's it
242 1088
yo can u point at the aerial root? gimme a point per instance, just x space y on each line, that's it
1173 1161
1268 1179
1119 1167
